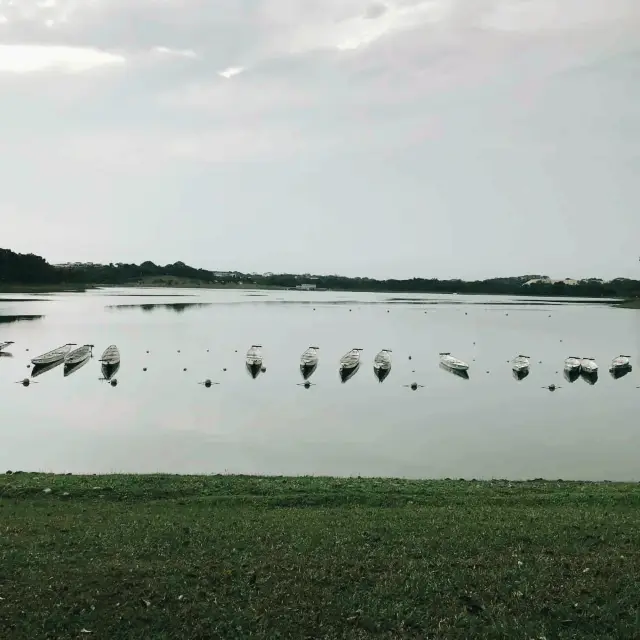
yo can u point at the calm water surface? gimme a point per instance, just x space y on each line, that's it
163 420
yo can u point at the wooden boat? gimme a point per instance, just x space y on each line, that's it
382 364
590 377
54 355
447 360
621 362
309 362
4 345
254 360
78 355
572 364
588 365
349 364
110 362
111 355
39 369
521 363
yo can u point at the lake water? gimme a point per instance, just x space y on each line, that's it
162 420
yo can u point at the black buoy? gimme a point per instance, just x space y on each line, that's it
225 369
409 357
114 383
207 383
263 369
144 368
185 369
414 386
178 350
147 351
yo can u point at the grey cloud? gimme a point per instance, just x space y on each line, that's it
479 126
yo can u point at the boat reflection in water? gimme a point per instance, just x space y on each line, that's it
6 354
589 377
72 367
571 375
520 374
459 373
620 372
39 369
109 370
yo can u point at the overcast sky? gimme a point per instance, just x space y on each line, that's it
448 138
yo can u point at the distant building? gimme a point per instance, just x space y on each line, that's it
306 287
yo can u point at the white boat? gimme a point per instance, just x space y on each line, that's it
111 355
521 363
350 360
382 364
349 364
621 362
309 358
309 362
78 355
447 360
54 355
588 365
254 356
572 363
382 361
4 345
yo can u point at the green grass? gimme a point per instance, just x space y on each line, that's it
631 303
164 557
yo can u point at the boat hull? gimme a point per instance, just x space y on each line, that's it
39 369
454 364
111 355
520 374
52 356
254 368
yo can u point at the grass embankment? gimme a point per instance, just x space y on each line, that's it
164 557
632 303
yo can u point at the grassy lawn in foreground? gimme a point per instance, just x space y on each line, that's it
186 557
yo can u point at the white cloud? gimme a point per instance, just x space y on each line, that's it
230 72
29 58
182 53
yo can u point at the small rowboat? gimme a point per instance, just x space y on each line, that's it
54 355
111 355
621 362
349 364
78 355
447 360
521 363
382 364
309 362
572 364
588 365
110 362
254 360
4 345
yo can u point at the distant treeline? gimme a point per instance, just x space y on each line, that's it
31 270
